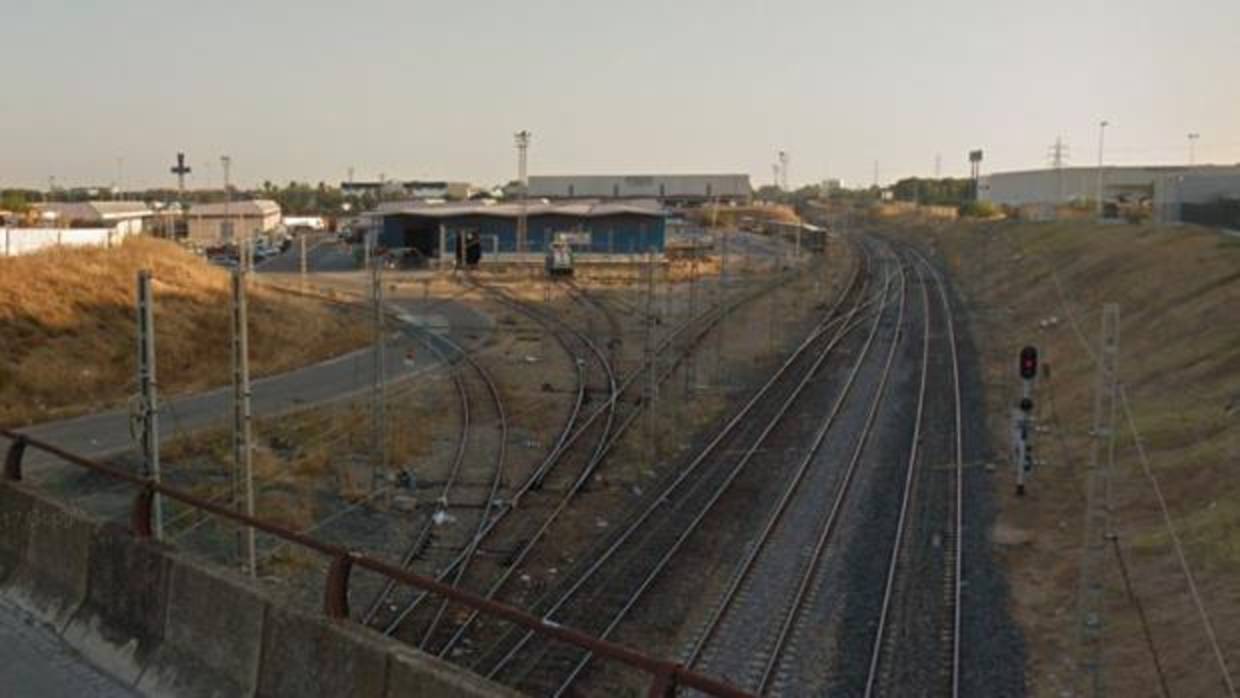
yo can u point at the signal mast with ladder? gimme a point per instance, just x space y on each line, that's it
1022 419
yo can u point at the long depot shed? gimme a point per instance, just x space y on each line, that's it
602 228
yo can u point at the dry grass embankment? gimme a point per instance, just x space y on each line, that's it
67 328
1179 293
730 216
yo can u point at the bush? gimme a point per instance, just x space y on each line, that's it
977 209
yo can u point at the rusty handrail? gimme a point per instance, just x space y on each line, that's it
666 676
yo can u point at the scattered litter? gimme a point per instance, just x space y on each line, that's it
552 571
601 523
531 443
637 491
531 359
442 517
525 578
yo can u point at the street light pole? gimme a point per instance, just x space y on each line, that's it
1192 147
1102 129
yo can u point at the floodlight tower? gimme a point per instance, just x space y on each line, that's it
523 145
180 170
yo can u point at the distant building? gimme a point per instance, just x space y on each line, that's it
668 189
592 226
213 224
411 189
1164 188
125 217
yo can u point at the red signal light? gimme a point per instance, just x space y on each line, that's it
1028 362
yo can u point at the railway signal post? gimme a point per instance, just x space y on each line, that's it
1022 419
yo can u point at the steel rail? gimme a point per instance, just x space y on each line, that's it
958 562
496 481
905 499
747 564
660 502
825 533
462 445
576 486
754 448
711 321
605 364
462 560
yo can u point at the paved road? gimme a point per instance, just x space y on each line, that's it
323 254
107 433
35 663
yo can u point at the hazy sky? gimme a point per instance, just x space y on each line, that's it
435 89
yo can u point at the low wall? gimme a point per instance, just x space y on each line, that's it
171 626
17 241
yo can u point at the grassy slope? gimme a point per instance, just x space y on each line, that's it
67 328
1179 292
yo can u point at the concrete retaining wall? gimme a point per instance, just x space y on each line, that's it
172 626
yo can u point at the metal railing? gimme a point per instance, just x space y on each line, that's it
666 677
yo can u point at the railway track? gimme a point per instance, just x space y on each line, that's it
425 626
604 590
533 531
476 388
748 630
917 638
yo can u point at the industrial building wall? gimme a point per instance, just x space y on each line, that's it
209 230
641 186
621 233
1069 183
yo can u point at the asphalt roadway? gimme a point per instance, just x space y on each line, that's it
107 434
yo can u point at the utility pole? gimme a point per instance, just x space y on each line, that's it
1102 129
149 402
120 175
938 165
648 355
523 146
723 299
876 174
775 174
783 169
226 162
378 448
1192 148
301 242
1099 531
690 358
243 452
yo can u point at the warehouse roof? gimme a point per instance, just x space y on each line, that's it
579 209
250 207
96 210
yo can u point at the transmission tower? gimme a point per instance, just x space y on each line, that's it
1058 154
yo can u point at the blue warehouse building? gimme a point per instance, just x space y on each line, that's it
622 228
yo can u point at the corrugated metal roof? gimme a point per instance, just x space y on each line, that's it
249 207
579 209
121 209
96 210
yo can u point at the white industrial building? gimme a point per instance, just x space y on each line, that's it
123 217
224 223
1166 189
669 189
